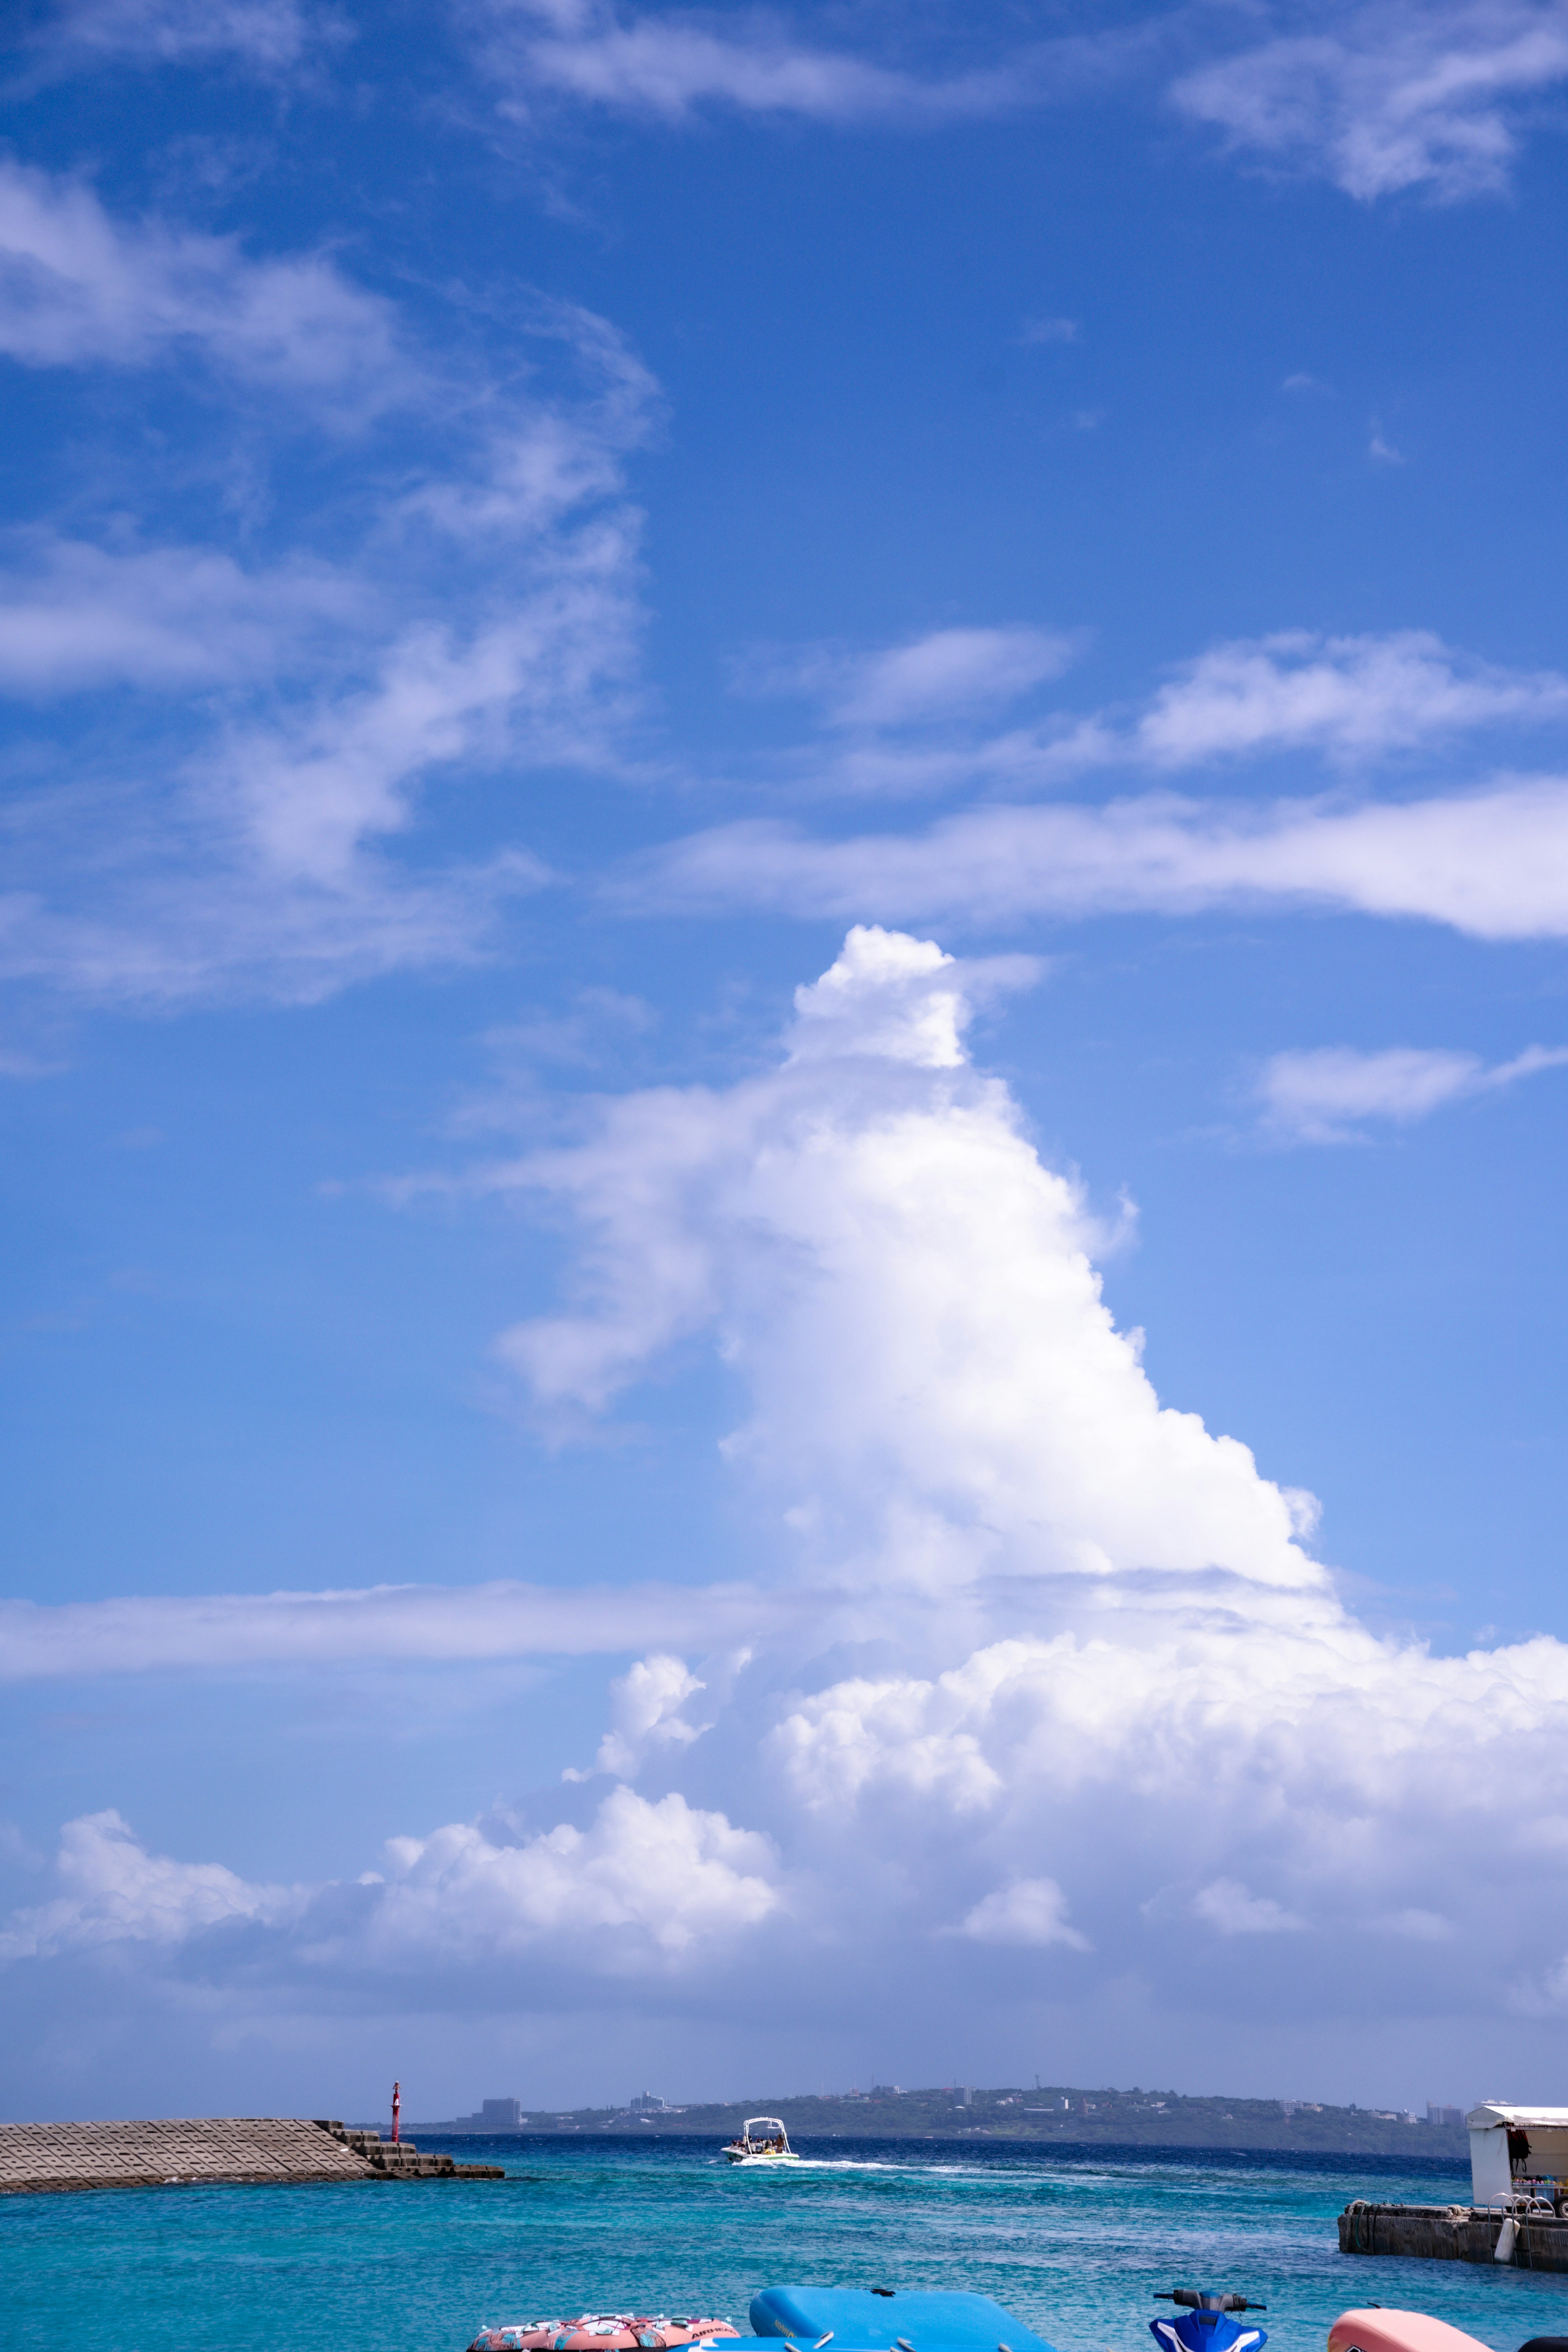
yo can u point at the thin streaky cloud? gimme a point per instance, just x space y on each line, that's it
75 615
1333 1094
944 672
1376 96
1492 863
234 1633
268 38
205 927
671 67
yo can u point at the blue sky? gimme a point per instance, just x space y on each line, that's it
592 1432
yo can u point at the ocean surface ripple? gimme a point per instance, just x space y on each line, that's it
1076 2243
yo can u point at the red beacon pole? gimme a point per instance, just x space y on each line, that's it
396 2110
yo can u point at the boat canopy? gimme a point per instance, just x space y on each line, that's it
1510 2144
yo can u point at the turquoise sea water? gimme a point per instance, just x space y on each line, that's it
1077 2244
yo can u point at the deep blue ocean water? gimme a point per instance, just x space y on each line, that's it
1076 2243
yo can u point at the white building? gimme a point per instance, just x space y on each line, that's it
1510 2146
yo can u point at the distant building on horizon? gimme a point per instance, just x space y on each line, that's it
1435 2115
494 2115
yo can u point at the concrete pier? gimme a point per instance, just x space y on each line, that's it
185 2151
1452 2234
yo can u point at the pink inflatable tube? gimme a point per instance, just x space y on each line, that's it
1398 2331
617 2331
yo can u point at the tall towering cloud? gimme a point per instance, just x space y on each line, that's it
939 1391
1065 1701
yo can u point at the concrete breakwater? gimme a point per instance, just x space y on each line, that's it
1453 2233
210 2150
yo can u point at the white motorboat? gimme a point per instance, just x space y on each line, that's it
762 2139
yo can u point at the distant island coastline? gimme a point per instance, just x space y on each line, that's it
1054 2113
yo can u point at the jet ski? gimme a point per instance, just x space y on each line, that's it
1206 2322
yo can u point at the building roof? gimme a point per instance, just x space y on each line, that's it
1491 2113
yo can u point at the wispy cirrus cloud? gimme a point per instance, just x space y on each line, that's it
673 65
941 675
912 718
1377 96
268 873
921 717
75 615
266 37
1333 1094
1382 96
490 613
308 798
79 286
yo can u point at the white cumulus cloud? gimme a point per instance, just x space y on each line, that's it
666 1875
113 1891
1028 1911
1163 1683
790 1213
1072 1710
646 1704
1228 1906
